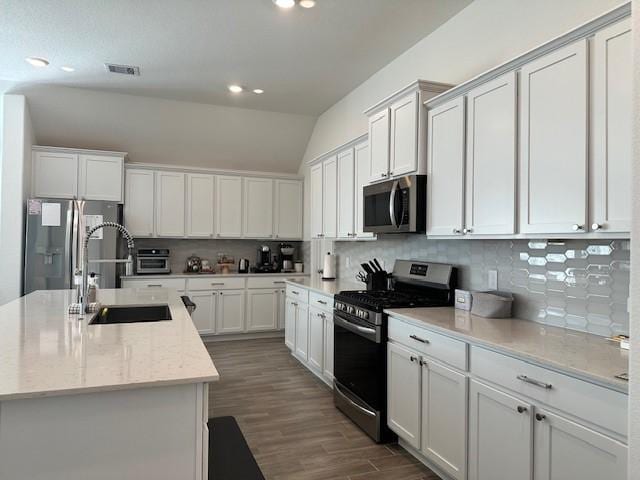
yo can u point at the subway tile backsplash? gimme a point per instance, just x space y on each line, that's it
576 284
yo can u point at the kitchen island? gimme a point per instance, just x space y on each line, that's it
80 401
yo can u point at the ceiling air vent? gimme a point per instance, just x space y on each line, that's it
122 69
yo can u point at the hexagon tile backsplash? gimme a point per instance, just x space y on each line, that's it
576 284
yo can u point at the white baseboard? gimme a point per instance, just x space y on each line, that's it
242 336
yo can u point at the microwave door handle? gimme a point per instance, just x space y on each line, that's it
392 204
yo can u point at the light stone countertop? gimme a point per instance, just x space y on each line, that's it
213 275
327 287
581 355
45 352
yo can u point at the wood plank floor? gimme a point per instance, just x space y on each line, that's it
288 418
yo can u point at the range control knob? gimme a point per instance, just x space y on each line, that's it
350 309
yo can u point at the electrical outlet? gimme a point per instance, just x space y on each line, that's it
492 280
348 262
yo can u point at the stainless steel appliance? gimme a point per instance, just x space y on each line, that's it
153 261
243 265
396 206
193 265
360 335
53 246
264 263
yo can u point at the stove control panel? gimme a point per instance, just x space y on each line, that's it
351 310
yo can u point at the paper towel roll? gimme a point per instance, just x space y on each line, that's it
329 269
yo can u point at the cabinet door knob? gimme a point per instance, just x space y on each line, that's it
412 358
456 231
521 409
540 417
577 227
467 230
423 363
596 226
383 175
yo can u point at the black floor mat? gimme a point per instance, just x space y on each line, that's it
229 454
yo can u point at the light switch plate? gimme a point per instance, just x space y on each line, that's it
492 280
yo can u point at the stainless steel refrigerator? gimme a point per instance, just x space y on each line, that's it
53 246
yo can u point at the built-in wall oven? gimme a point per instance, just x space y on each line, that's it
152 261
396 206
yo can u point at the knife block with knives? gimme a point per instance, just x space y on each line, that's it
376 277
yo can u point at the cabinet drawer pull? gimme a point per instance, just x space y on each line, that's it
535 382
322 302
423 363
219 283
294 304
412 358
418 339
295 292
279 282
321 315
540 417
521 409
154 285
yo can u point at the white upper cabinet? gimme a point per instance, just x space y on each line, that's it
553 142
362 175
228 206
379 145
611 129
564 449
445 177
200 205
346 183
288 209
330 194
403 149
316 199
55 174
100 177
258 207
500 435
170 195
491 158
139 202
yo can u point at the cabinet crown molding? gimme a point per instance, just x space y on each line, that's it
211 171
335 151
81 151
583 31
417 86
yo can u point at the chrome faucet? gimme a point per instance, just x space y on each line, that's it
83 291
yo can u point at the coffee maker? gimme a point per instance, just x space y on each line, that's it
263 261
286 257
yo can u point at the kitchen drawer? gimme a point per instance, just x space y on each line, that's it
265 282
175 283
593 403
440 347
299 293
215 283
321 301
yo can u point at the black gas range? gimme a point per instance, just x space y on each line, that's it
360 337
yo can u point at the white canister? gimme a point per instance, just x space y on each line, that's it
299 267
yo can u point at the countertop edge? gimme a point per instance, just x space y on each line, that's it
213 275
538 361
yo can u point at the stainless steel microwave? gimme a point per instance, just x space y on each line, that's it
396 206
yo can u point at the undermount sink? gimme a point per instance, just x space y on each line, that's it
130 314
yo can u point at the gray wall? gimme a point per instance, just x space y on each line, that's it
577 284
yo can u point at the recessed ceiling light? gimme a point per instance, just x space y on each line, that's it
235 88
67 69
307 3
284 3
258 91
37 62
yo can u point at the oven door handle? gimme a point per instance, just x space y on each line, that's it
368 333
392 204
360 408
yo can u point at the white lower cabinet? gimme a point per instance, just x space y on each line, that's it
291 312
500 435
327 370
316 338
282 309
262 309
302 332
564 449
230 311
403 393
204 316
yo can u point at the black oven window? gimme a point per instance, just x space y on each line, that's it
376 210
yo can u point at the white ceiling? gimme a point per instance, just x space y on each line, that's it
305 60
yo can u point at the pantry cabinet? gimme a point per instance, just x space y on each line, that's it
288 208
329 197
491 124
229 202
262 309
610 182
139 202
200 205
346 184
500 435
316 200
170 204
230 314
403 393
100 177
445 177
258 207
564 449
553 142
